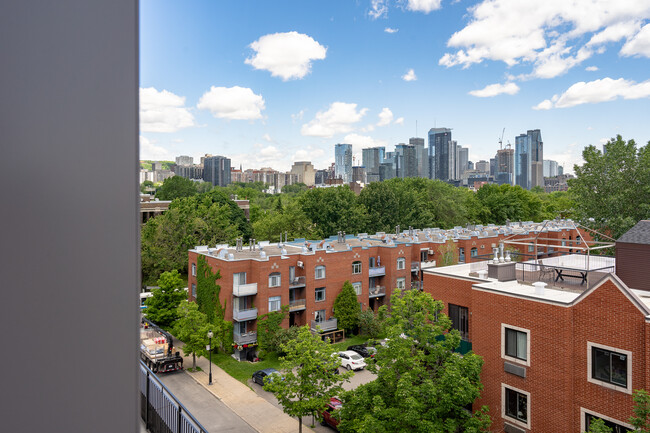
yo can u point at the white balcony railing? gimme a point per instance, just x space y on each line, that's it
325 325
377 271
246 338
243 315
244 289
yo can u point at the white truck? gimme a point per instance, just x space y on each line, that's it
157 350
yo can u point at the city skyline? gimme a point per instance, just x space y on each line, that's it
365 72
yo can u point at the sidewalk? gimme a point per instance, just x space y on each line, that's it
253 409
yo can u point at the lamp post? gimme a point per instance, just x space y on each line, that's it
210 356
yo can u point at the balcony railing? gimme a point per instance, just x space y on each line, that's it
416 285
415 266
246 338
325 325
377 271
243 315
244 290
297 282
297 305
428 264
377 291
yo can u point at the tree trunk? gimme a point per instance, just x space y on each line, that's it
193 362
299 424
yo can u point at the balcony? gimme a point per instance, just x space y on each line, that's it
416 285
244 315
377 291
244 290
325 325
377 271
297 282
415 266
246 338
297 305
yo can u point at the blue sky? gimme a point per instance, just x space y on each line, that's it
267 83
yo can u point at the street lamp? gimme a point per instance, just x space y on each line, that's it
210 355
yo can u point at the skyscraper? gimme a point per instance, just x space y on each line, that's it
443 151
343 162
305 172
505 166
529 156
522 161
216 170
421 155
462 158
405 161
550 168
372 157
537 158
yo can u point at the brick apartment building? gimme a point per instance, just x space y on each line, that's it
308 275
558 352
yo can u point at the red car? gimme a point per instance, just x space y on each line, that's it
327 413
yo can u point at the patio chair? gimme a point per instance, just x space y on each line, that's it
545 271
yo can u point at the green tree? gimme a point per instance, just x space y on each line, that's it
333 209
192 329
146 186
176 187
209 303
507 202
308 381
347 308
422 385
292 220
269 330
612 188
641 418
597 425
447 254
162 306
295 188
369 324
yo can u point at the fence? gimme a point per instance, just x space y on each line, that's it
160 410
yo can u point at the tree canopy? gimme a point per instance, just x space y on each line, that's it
422 385
176 187
347 308
162 306
192 329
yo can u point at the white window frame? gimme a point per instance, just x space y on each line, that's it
401 283
531 247
356 267
357 288
316 290
194 290
583 423
316 273
503 344
628 389
194 269
236 277
401 263
272 277
473 252
508 418
275 300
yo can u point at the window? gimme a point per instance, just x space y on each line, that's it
320 272
194 269
424 255
356 267
239 279
615 425
515 405
531 247
194 291
274 279
460 320
609 367
320 316
401 263
320 294
357 288
473 252
515 344
401 283
578 240
275 303
461 255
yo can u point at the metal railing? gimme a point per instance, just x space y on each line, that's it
325 325
298 304
246 338
377 271
415 266
160 409
374 292
297 282
243 315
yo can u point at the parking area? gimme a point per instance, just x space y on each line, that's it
359 378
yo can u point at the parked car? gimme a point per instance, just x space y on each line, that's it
351 360
327 414
259 375
365 351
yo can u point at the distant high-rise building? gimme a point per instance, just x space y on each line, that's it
343 162
443 150
421 156
184 160
305 172
156 166
482 167
359 174
493 166
462 158
529 156
405 161
386 171
321 177
550 168
505 166
560 170
216 170
372 157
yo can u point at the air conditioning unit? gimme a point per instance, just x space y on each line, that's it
300 264
431 252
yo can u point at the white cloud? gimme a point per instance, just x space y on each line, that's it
639 45
495 89
385 117
409 76
591 68
309 154
264 156
297 116
286 55
148 150
163 111
236 103
592 92
399 121
551 36
378 9
338 119
391 30
425 6
267 137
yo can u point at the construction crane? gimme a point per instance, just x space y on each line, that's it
501 139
